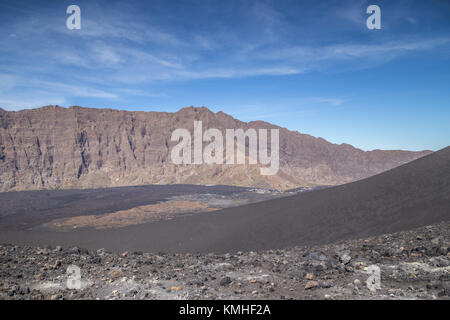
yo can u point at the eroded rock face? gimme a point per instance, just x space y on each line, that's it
54 147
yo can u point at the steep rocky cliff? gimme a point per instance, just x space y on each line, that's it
54 147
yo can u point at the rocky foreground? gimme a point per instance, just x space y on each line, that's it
414 265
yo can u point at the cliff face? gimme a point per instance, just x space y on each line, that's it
54 147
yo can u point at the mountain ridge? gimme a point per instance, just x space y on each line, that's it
78 147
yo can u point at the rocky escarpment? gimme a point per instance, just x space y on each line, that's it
54 147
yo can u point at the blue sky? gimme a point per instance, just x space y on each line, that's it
311 66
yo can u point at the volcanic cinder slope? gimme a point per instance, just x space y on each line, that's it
62 148
409 196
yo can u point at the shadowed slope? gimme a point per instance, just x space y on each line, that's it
409 196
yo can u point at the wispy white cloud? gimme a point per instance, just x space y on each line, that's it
325 100
235 72
141 93
115 55
106 55
16 104
120 29
353 12
298 107
341 51
48 88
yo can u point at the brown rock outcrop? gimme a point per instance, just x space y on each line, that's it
54 147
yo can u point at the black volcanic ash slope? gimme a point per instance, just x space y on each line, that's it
412 195
409 196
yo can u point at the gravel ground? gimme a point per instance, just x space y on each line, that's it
414 265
